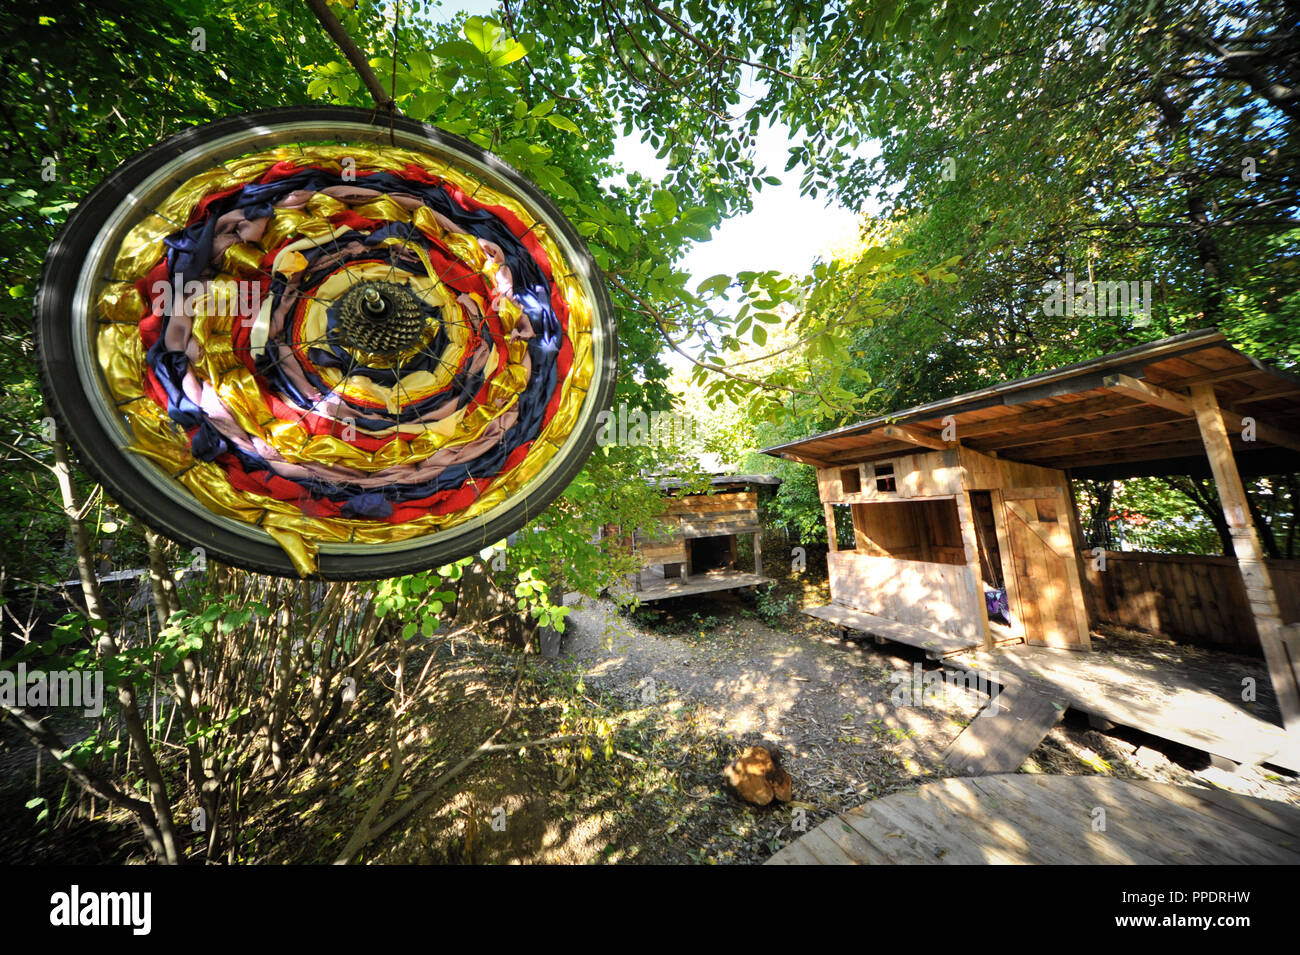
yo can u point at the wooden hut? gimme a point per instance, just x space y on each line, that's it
956 502
700 552
940 534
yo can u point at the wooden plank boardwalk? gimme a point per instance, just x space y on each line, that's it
1054 820
1003 735
1158 697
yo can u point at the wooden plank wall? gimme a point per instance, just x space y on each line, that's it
987 473
1286 581
715 515
1049 585
700 515
1047 589
1198 600
942 597
668 552
926 474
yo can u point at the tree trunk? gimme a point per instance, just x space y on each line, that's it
107 646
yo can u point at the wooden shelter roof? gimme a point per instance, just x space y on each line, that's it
1121 415
728 482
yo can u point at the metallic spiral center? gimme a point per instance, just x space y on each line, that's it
380 318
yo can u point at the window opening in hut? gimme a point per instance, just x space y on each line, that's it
885 477
845 539
927 531
711 553
986 536
850 480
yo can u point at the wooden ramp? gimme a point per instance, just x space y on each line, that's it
1158 697
936 645
1004 732
1054 820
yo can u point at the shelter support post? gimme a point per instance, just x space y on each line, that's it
970 544
1283 666
1081 554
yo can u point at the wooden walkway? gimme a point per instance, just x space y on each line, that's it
1158 697
1002 736
1054 820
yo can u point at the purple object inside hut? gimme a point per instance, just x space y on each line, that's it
996 603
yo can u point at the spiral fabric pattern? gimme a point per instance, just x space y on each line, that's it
340 344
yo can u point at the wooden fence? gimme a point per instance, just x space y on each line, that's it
1199 600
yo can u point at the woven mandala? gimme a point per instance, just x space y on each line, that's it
344 345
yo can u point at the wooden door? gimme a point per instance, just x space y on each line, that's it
1050 605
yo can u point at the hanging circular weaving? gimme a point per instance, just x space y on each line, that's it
312 345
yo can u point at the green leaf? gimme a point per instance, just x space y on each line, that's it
483 33
563 122
507 54
665 203
456 51
714 284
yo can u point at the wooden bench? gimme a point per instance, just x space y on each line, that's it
936 645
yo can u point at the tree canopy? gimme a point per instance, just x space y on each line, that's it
992 149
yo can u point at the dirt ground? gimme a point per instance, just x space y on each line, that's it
828 705
824 702
659 702
65 837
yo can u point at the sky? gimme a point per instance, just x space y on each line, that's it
784 231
